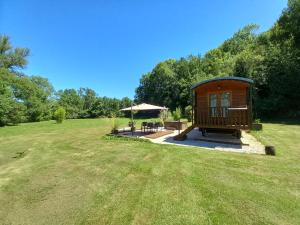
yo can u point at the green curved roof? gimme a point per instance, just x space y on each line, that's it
243 79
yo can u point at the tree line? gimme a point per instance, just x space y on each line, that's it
26 98
271 59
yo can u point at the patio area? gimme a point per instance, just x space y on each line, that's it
213 141
149 135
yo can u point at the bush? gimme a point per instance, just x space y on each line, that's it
115 124
257 121
163 116
189 113
60 115
177 114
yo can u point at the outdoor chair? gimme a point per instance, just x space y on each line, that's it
161 125
157 125
150 126
144 126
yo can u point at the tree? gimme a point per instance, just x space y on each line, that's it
240 40
12 58
71 102
88 97
44 87
34 93
11 111
158 86
23 98
125 102
97 109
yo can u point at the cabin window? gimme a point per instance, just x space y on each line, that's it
225 103
219 104
213 104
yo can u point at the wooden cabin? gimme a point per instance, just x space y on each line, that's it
223 104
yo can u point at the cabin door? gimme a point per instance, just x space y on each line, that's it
219 104
225 103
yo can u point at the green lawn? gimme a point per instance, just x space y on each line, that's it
68 174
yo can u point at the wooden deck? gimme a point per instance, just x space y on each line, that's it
229 118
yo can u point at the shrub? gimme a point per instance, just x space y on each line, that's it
257 121
60 115
163 116
177 114
114 123
189 112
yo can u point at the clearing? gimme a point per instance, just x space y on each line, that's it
69 174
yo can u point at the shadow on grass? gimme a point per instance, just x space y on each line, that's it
19 155
283 121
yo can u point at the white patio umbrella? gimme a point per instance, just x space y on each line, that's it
142 107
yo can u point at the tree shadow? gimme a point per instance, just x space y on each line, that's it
283 121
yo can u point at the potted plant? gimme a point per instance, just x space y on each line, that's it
131 124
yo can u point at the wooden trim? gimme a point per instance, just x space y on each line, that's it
233 127
236 119
218 92
193 103
250 116
219 99
196 107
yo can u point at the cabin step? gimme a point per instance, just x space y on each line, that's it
182 136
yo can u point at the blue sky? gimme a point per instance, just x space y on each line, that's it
108 45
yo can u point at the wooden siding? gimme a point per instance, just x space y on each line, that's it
238 99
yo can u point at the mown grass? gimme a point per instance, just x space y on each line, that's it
69 174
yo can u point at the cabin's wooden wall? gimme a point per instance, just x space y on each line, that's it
237 89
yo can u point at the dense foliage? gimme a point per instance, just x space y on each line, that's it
23 98
189 113
271 59
32 98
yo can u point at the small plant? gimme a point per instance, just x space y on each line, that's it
177 114
60 115
257 121
177 117
163 116
189 113
115 124
132 124
169 117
